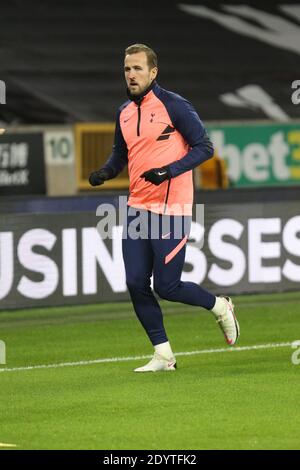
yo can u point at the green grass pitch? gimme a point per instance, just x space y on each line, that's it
244 399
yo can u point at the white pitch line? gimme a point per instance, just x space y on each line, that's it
7 445
138 358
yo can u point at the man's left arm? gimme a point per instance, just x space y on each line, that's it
190 126
187 122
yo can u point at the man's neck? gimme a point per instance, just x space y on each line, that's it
137 99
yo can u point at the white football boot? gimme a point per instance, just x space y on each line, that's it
228 322
158 363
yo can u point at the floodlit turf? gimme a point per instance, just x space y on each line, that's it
223 400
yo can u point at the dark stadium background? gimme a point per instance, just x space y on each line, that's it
62 60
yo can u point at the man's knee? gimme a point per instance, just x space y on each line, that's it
138 284
165 291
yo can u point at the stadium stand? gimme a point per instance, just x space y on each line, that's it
62 60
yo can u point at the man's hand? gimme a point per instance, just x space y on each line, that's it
98 177
157 175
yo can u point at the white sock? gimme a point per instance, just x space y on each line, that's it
164 349
219 307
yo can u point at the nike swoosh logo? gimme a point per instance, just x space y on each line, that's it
171 364
166 235
160 173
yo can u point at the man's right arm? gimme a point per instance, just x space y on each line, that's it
117 160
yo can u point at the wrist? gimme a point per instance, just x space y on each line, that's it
168 170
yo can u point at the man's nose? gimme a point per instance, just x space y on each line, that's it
131 75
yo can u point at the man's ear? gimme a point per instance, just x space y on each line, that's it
154 73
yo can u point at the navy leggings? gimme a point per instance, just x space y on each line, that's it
155 244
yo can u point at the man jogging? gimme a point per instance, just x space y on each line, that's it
161 138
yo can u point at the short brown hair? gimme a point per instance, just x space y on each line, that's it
151 55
